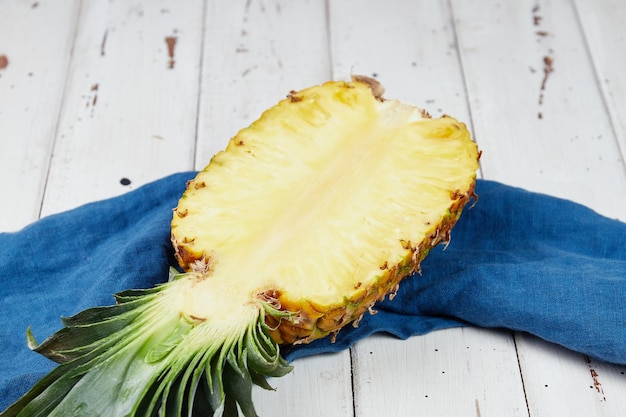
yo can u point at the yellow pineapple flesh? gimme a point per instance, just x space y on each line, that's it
322 206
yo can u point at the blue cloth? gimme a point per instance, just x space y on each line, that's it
517 260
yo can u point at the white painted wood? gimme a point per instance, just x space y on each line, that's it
319 386
559 382
127 113
603 25
255 52
410 47
570 152
452 372
31 90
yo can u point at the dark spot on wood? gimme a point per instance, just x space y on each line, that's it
181 214
594 376
247 70
103 43
536 17
171 45
198 185
94 88
125 181
548 68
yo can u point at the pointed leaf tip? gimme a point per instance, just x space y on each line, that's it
31 342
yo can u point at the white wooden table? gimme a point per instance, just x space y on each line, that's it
100 97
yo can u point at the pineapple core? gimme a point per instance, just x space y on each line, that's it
317 202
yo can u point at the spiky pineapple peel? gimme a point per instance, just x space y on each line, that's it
308 217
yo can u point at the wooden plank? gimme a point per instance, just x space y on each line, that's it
559 382
540 124
410 47
605 33
318 386
129 114
456 372
254 54
570 152
32 78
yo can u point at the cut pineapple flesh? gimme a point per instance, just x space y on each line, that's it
315 201
312 214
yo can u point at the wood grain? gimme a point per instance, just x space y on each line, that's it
128 116
31 94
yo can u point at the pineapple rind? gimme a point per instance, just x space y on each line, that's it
316 322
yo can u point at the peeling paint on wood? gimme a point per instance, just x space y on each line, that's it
171 45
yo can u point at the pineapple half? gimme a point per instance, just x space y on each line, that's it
311 215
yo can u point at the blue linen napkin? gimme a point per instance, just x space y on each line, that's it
517 260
